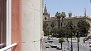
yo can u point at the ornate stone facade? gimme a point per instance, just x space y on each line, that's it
74 19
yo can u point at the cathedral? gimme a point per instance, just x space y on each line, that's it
74 19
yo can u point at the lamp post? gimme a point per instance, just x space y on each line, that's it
78 34
68 41
71 41
48 32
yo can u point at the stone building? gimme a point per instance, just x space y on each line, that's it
74 19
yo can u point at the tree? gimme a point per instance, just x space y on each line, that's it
61 40
58 15
83 26
63 15
71 27
66 32
44 28
45 25
69 24
52 24
54 32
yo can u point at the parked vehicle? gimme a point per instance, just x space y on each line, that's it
89 37
85 39
50 41
89 44
45 42
47 46
58 48
53 46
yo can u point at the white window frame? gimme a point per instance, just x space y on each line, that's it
8 23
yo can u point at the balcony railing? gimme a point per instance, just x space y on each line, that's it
8 47
2 44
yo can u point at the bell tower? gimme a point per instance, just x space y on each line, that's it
46 15
84 12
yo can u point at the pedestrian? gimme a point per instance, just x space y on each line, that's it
83 41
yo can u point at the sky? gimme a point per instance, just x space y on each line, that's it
74 6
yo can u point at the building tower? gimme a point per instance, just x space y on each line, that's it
85 12
46 15
70 15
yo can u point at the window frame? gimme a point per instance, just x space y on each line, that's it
8 23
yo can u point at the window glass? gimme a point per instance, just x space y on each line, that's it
2 23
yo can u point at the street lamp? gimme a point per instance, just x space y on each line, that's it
67 41
71 41
78 34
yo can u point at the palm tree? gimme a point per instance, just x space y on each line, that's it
58 15
61 40
63 15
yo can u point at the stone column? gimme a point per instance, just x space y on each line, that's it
31 25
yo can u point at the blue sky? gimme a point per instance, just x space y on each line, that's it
74 6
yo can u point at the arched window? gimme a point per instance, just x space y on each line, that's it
45 18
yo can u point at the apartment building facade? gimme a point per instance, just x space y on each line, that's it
21 23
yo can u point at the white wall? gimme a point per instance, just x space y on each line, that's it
31 24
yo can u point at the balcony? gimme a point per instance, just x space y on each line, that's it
7 47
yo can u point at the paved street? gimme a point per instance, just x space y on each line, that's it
82 46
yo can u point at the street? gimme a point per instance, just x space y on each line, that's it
82 46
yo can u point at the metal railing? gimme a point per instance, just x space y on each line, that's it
2 44
8 47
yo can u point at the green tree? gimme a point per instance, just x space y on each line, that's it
61 40
66 32
58 15
45 25
52 24
44 28
46 32
54 32
69 24
71 28
63 15
83 26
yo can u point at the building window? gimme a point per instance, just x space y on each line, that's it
2 23
45 18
